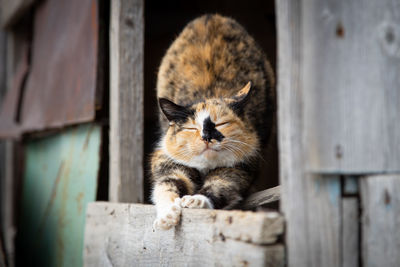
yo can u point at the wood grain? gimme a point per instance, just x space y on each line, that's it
323 225
122 235
126 106
380 220
292 172
350 232
351 62
310 202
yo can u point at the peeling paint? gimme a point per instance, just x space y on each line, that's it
54 200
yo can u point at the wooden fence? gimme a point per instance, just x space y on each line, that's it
339 107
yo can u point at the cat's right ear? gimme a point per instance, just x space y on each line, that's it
172 111
241 98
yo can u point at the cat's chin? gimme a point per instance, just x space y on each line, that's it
210 154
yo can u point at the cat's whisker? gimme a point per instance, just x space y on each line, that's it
250 146
245 154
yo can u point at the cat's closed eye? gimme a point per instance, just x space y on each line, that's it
192 129
222 123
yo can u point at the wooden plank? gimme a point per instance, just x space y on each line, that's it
13 10
323 224
261 198
310 202
126 106
292 172
380 199
60 178
122 235
351 100
350 232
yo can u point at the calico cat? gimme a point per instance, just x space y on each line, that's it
216 93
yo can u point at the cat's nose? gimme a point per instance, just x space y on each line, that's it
206 140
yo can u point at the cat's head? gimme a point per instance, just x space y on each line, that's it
209 134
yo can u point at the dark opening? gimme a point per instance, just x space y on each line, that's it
164 20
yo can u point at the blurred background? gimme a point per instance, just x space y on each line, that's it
78 120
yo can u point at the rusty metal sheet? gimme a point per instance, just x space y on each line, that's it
61 86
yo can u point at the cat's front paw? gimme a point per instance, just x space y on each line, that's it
196 202
168 215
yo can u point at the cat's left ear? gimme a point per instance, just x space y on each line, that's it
172 111
241 98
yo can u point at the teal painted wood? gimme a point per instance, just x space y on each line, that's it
60 178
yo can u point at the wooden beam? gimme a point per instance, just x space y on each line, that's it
380 201
311 203
261 198
126 103
122 235
292 172
350 232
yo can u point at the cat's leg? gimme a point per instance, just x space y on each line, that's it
224 187
171 181
167 203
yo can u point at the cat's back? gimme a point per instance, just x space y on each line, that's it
214 56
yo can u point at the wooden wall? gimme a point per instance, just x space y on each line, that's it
338 98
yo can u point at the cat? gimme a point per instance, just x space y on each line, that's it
215 89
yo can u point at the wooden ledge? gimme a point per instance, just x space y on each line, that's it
122 235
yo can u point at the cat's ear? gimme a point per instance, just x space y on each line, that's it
172 111
241 98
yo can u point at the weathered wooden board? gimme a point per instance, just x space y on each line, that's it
350 232
323 221
310 203
60 179
350 75
122 235
261 198
380 198
126 103
292 173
